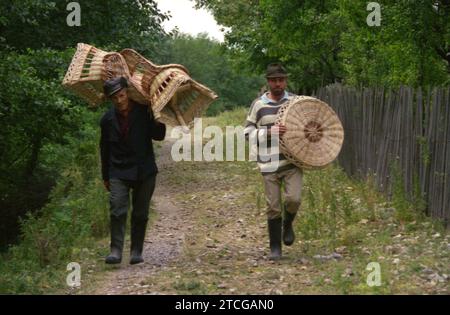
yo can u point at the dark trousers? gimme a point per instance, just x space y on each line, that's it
141 194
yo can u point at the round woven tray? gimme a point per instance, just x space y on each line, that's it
314 133
84 75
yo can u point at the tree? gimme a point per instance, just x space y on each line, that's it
303 35
42 24
410 47
211 64
326 41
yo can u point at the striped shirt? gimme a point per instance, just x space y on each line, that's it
261 116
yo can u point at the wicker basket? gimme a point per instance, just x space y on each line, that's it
90 67
175 97
85 74
314 133
115 66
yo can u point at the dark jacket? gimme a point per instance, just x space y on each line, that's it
130 158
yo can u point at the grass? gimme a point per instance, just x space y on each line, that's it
356 227
62 233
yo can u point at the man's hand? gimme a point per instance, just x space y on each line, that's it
278 129
106 184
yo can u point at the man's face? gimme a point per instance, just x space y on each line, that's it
277 85
120 100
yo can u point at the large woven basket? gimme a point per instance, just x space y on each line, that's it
176 98
115 66
84 75
91 66
314 135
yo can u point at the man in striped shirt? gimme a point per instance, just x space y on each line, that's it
275 168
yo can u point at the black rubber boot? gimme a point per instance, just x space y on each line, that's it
275 238
288 231
137 242
117 238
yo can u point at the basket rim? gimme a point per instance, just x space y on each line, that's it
313 146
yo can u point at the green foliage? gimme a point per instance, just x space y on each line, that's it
333 207
408 48
210 63
49 139
76 214
322 42
38 24
34 109
338 211
323 201
34 112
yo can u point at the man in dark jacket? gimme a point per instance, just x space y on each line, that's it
128 164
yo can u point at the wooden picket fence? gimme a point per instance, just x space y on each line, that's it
403 132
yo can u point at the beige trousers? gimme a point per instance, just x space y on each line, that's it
292 179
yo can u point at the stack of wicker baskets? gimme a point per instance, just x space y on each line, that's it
175 98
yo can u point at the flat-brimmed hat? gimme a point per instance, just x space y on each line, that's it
112 86
276 70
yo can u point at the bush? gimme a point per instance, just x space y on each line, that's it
76 214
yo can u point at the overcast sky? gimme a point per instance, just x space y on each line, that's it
188 19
